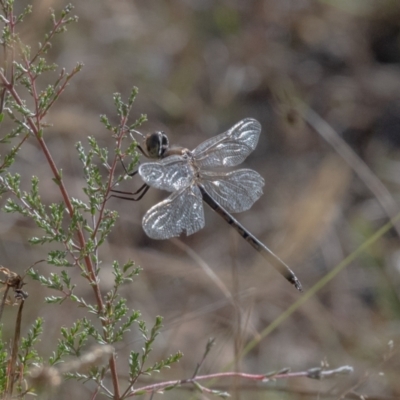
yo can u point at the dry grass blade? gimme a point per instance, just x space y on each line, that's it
311 215
14 281
14 354
373 183
206 268
4 299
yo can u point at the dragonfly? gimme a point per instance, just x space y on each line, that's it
194 176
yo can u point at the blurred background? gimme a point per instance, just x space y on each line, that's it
201 66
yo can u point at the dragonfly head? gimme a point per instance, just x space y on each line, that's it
156 144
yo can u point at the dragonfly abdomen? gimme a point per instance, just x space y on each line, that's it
272 259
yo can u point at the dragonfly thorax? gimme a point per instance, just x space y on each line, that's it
156 145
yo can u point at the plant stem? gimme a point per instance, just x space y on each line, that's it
36 131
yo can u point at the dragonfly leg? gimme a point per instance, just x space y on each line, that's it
141 150
126 171
140 192
123 165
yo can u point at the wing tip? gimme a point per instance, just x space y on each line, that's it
296 283
251 121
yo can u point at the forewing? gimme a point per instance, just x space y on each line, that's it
235 191
171 174
181 211
229 148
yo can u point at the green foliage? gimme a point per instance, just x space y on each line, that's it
3 363
75 228
28 354
47 218
123 109
71 343
138 360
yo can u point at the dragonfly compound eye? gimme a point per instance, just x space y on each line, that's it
156 144
164 143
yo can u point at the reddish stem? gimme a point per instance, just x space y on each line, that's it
35 129
162 385
110 177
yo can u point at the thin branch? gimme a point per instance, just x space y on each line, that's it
14 352
300 393
11 22
114 377
389 355
205 267
45 45
110 176
314 373
3 301
209 345
17 147
60 90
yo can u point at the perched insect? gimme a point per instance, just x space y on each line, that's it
193 177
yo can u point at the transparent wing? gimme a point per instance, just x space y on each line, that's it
235 191
181 211
171 174
229 148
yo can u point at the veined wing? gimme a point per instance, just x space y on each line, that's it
235 191
181 211
229 148
171 174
